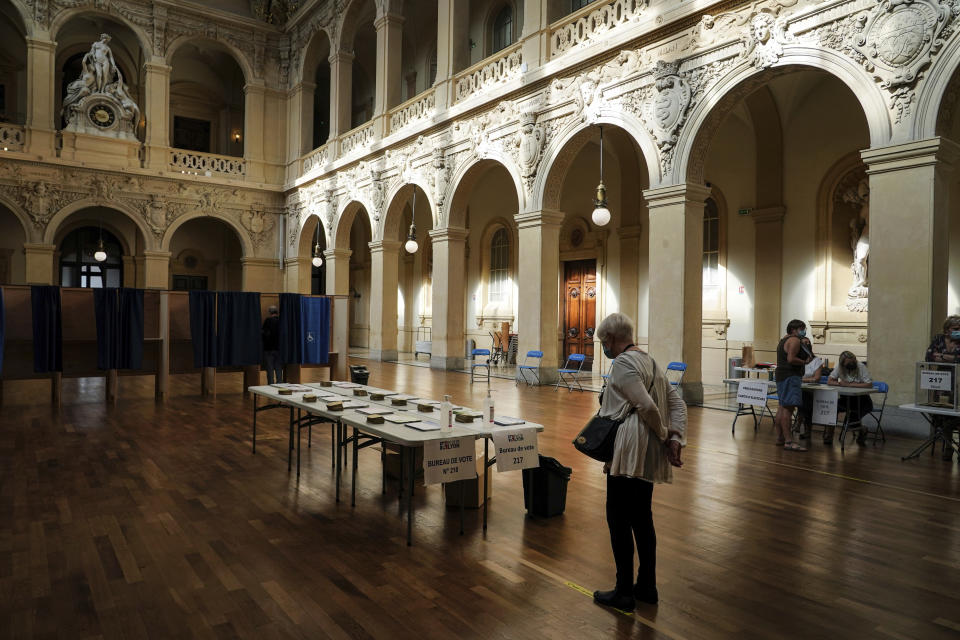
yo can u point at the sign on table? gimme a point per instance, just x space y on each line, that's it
449 460
935 380
752 392
516 449
825 407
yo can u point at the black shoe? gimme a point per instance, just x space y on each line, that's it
805 435
947 455
647 595
862 437
623 601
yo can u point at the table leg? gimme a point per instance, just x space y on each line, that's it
401 489
255 396
339 466
411 472
290 443
333 445
383 467
486 467
462 494
299 418
353 480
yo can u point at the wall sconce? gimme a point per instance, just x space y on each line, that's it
354 293
236 136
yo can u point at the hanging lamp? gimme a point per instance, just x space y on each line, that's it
411 244
601 214
101 253
317 259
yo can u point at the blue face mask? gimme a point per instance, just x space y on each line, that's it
802 333
607 352
955 335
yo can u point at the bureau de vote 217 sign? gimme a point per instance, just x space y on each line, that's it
516 449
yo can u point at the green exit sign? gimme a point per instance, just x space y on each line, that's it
743 212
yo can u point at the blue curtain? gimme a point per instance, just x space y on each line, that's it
203 309
290 328
131 329
315 329
3 328
47 329
238 328
107 313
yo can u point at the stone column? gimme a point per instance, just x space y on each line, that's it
338 284
389 64
768 327
41 116
449 282
261 274
156 269
538 275
629 272
909 249
453 49
157 112
676 279
384 259
299 122
534 35
297 274
39 263
341 92
253 127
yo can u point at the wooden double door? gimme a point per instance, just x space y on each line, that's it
579 309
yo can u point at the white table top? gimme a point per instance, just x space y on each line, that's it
939 411
811 386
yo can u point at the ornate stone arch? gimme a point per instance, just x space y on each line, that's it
564 147
241 59
26 16
464 179
58 219
29 229
245 242
346 214
304 243
741 80
64 17
935 92
397 198
347 25
302 62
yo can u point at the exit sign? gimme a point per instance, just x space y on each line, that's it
743 212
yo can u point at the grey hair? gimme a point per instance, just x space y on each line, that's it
617 327
272 310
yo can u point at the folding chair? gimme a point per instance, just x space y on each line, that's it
566 375
497 354
534 369
884 388
677 366
476 365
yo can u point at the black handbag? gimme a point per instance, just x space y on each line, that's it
597 438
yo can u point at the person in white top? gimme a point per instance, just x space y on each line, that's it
812 372
851 373
647 444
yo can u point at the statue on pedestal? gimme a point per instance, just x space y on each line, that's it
99 102
857 296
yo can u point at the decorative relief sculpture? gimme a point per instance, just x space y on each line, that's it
530 146
258 224
666 112
41 201
98 102
763 43
859 196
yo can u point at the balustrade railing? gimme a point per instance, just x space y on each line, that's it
316 158
199 163
592 23
487 73
418 108
12 137
357 138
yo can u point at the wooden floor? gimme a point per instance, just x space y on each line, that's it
154 520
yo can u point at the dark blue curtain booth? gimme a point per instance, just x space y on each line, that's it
238 328
290 328
3 328
315 330
119 314
203 328
47 329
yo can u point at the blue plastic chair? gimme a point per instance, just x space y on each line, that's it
476 365
677 366
534 369
568 374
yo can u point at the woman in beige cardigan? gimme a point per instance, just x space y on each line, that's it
648 443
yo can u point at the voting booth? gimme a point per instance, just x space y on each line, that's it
936 385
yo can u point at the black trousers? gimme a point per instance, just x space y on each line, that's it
630 519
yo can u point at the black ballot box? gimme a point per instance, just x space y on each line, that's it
545 488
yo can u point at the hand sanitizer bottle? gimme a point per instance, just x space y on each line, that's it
488 408
446 412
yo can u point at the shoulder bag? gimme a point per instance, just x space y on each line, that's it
597 438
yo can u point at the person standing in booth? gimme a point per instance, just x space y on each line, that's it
648 442
270 333
791 360
945 347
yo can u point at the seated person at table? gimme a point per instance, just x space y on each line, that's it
850 373
946 348
812 372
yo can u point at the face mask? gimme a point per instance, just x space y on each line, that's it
955 335
802 333
608 352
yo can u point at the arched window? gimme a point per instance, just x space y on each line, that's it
78 267
711 243
499 266
503 29
576 5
